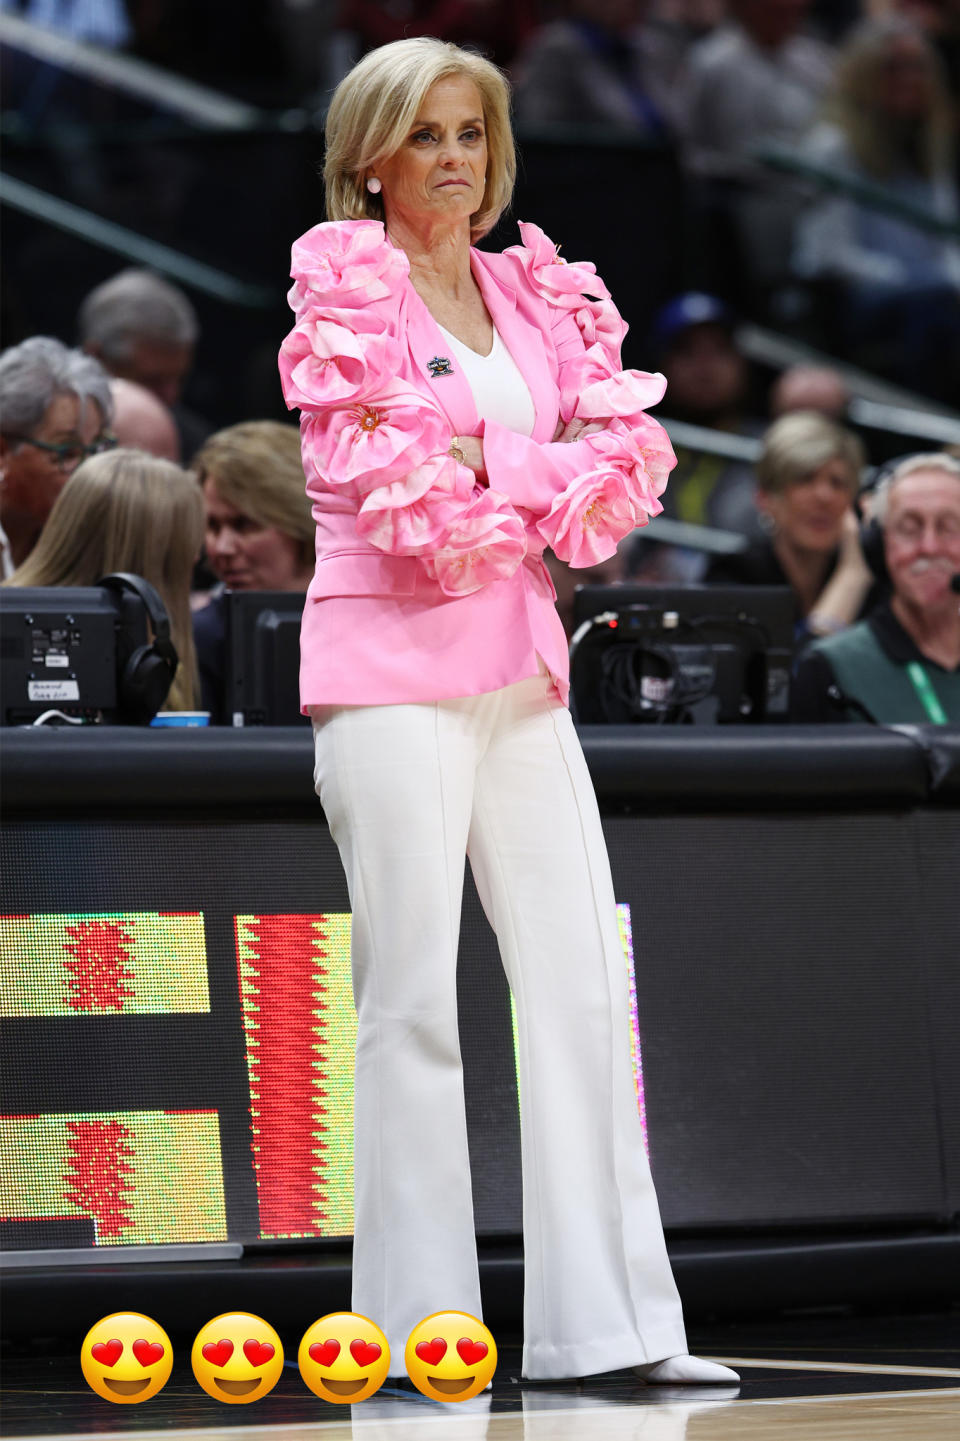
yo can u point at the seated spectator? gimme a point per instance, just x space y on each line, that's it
889 124
598 67
708 384
128 511
940 22
758 78
810 387
142 422
807 478
55 407
260 532
901 664
142 328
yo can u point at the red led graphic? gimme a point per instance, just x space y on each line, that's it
283 998
97 969
96 1177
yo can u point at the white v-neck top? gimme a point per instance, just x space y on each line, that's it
500 392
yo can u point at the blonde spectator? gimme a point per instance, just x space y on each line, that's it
259 530
889 124
128 511
808 475
259 527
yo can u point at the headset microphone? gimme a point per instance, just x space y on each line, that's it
843 703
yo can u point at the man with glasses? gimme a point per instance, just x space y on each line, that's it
55 407
902 664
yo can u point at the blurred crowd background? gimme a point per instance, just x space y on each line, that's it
769 187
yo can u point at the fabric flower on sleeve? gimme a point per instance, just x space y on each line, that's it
487 543
592 384
334 356
575 287
562 283
600 323
413 514
347 264
375 441
643 447
465 538
591 388
620 492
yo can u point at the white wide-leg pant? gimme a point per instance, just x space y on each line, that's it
407 789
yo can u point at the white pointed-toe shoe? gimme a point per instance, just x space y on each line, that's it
685 1370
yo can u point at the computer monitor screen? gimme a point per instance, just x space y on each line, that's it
701 655
263 657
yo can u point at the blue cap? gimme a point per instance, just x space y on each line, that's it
681 313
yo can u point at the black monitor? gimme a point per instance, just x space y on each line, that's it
695 655
263 657
63 653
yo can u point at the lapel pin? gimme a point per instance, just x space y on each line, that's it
439 365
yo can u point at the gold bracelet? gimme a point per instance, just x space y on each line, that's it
456 451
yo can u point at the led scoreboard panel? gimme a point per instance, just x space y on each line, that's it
179 1037
177 1028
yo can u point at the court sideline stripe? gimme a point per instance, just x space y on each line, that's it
856 1367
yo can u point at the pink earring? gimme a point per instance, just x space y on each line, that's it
374 186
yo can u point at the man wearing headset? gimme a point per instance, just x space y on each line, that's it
902 664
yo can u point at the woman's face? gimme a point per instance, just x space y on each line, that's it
439 172
244 554
809 514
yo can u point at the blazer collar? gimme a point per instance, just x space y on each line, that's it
427 345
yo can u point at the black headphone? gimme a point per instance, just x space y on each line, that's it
147 674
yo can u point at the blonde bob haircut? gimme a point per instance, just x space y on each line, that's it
126 510
373 110
798 444
257 469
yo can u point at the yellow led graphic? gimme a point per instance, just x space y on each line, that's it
141 1177
141 963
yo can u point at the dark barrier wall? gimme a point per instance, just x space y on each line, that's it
178 1032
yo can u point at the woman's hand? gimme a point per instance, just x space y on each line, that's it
851 556
576 429
470 447
468 450
840 601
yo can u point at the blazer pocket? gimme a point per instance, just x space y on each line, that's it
363 572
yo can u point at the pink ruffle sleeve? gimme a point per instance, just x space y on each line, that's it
586 496
368 436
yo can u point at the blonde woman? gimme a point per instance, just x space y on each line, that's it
808 476
889 125
461 410
128 511
259 532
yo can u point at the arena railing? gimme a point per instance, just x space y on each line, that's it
789 161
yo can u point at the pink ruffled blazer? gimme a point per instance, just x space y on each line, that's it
429 585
